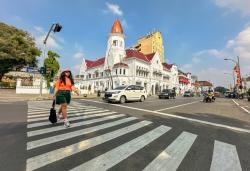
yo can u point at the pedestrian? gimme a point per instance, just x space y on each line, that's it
64 86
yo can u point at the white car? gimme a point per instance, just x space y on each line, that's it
126 93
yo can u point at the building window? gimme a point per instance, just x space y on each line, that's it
101 74
115 42
89 75
120 71
116 71
124 71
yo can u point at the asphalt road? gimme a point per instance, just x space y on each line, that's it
158 134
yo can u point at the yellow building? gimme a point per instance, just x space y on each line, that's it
151 43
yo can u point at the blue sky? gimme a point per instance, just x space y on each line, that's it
197 34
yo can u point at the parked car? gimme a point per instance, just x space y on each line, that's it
227 93
217 94
233 95
188 94
123 94
167 94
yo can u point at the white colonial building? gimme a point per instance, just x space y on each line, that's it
123 66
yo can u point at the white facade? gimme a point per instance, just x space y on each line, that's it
123 66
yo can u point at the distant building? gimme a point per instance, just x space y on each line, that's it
204 85
246 82
151 43
185 81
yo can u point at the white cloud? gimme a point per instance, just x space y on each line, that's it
114 8
235 5
208 64
51 43
78 55
187 67
216 76
39 29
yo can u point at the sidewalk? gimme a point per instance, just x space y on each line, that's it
7 95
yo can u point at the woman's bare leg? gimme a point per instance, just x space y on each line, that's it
64 110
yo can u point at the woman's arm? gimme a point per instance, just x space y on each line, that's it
75 90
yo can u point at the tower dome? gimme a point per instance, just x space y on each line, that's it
117 27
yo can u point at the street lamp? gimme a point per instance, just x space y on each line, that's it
56 27
237 64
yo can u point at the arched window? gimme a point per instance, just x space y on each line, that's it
115 42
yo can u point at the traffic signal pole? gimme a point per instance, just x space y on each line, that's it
56 27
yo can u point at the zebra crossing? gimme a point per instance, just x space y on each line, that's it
104 128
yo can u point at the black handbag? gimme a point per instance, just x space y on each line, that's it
52 115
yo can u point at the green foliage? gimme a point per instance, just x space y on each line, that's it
52 66
248 91
17 49
221 89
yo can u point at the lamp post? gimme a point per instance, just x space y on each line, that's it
56 27
237 62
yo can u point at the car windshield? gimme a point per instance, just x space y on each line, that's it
120 88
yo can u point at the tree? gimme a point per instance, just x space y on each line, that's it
220 89
17 49
52 66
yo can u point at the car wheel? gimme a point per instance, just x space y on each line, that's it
142 99
122 99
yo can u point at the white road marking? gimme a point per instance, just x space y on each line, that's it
58 154
235 102
61 137
47 110
173 155
80 113
116 155
59 127
69 112
32 125
225 157
241 106
179 117
245 109
177 106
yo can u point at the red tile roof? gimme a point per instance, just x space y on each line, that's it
92 64
150 56
183 80
130 53
167 66
204 83
120 64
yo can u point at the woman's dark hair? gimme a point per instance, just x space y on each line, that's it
62 77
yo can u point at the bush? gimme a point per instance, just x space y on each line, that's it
7 85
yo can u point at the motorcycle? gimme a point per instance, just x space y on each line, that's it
209 97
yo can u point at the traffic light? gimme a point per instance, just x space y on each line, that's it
57 28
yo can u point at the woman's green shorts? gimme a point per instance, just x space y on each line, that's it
63 96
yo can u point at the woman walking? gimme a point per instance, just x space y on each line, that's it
63 88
